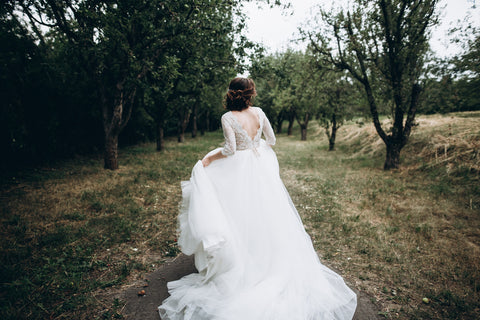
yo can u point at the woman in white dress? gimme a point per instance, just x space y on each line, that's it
254 258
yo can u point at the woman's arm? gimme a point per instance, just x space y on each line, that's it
267 130
229 147
207 160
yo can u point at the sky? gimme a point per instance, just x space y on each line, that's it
275 30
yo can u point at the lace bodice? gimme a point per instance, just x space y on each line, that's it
236 138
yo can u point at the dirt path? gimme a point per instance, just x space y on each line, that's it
145 307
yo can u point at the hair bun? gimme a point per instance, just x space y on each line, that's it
240 94
235 94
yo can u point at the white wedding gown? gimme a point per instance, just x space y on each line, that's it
254 258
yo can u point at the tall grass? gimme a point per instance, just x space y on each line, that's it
74 235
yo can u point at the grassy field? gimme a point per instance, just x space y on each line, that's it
74 235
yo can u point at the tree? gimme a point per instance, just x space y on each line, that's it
157 89
22 63
303 90
382 44
204 50
287 88
339 100
453 81
306 91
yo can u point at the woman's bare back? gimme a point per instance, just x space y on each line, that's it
248 119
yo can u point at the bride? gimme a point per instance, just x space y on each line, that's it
254 258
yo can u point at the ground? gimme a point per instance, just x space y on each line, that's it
144 307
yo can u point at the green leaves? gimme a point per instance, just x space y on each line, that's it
89 63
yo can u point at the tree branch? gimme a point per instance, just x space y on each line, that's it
61 21
366 83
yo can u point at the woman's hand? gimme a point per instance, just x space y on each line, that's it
206 161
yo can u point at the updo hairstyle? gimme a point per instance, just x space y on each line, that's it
241 92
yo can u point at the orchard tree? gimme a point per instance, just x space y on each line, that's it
287 88
285 69
272 78
205 51
299 88
47 109
339 101
156 90
306 86
276 80
381 42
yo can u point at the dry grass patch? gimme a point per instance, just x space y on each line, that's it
403 235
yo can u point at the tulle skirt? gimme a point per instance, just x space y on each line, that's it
254 258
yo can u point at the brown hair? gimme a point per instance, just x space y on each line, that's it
241 92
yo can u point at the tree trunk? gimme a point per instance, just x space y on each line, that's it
181 136
182 125
392 160
279 124
111 151
303 125
181 131
207 122
333 134
303 129
160 137
201 122
114 121
194 121
290 126
331 142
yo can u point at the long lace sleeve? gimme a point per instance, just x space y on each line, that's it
267 130
230 143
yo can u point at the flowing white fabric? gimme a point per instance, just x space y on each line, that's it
255 260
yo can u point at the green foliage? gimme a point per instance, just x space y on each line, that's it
341 101
77 73
303 91
271 77
441 95
452 85
296 85
467 69
287 88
